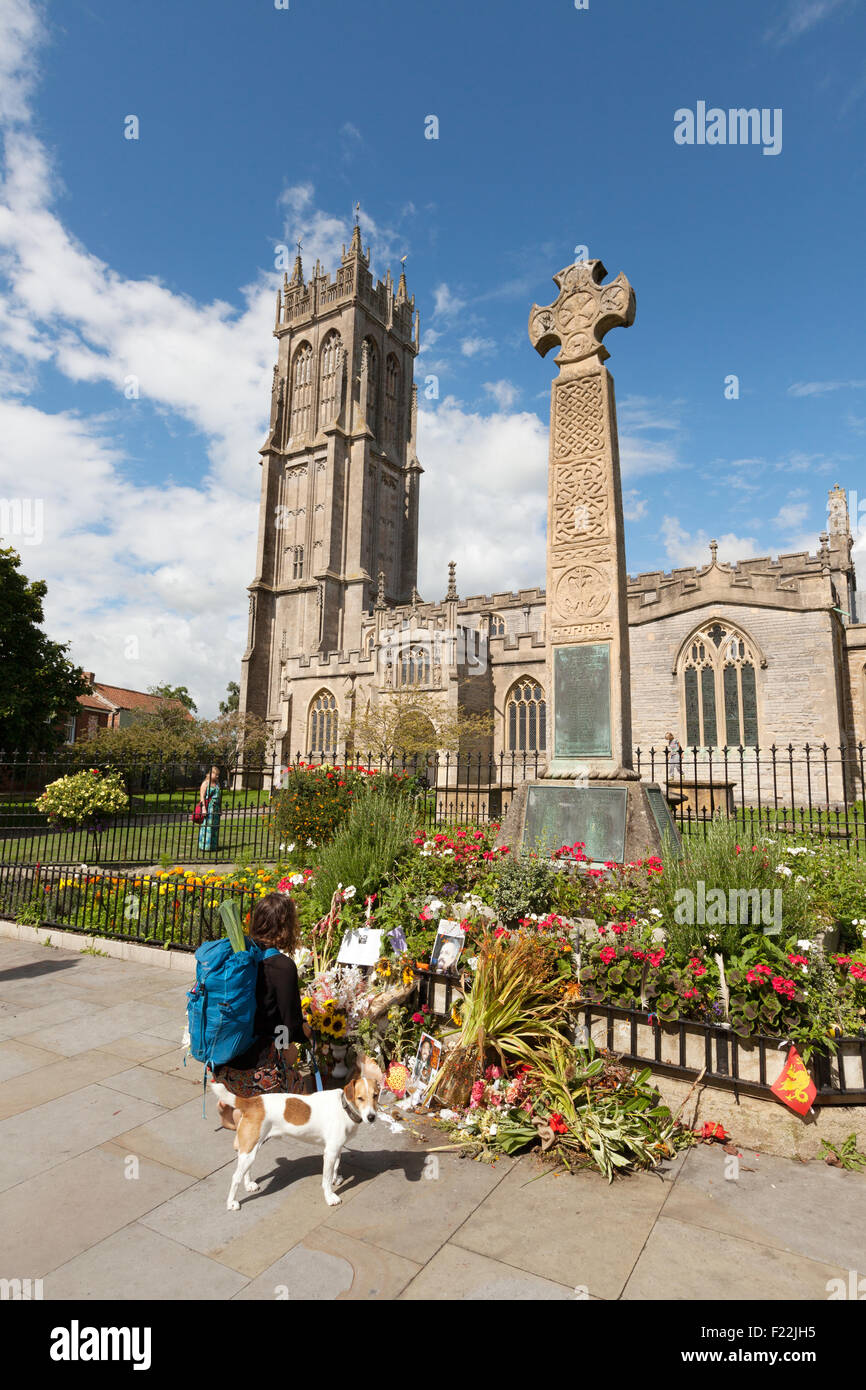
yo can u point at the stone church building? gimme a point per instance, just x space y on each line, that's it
749 655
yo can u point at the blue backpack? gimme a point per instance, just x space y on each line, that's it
221 1006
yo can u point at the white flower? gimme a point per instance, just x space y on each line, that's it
435 905
311 843
302 958
655 912
783 869
282 847
349 892
472 962
424 853
447 851
805 945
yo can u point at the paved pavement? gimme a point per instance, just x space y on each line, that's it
113 1185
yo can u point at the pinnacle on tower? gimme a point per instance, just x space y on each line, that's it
297 272
452 594
380 592
402 292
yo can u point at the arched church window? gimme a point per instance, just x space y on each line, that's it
526 717
371 404
719 688
497 627
415 665
330 378
298 562
302 392
390 432
323 723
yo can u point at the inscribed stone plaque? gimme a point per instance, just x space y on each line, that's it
662 815
561 814
581 701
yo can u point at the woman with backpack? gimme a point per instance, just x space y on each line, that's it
270 1062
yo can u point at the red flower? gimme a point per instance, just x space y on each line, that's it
607 954
557 1124
711 1130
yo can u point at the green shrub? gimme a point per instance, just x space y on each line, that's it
520 885
724 861
374 835
84 797
316 800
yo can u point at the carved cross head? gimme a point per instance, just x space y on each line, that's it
582 313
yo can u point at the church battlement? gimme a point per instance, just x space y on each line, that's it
301 302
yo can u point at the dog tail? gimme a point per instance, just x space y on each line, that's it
222 1094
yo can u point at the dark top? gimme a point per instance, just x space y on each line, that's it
278 1005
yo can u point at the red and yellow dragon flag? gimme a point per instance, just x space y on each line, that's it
794 1086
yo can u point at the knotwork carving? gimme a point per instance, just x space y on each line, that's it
579 424
580 503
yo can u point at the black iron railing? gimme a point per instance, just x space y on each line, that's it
814 791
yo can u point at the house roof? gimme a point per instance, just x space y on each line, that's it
117 697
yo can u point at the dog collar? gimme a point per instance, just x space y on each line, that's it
353 1114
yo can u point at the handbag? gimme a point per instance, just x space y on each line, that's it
198 813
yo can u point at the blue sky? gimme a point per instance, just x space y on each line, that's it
154 259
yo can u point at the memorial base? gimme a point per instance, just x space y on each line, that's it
617 820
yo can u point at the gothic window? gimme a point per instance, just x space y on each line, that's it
390 432
371 404
302 392
323 723
497 627
526 718
415 665
719 688
330 379
298 562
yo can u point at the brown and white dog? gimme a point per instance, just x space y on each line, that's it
329 1117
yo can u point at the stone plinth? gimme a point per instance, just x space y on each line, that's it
618 819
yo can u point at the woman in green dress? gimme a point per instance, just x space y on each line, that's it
210 796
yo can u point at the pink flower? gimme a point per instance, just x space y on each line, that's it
418 1018
607 954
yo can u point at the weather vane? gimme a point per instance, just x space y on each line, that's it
357 212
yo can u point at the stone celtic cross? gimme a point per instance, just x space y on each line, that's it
587 621
582 313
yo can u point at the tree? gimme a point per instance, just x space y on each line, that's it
40 685
231 704
174 692
414 725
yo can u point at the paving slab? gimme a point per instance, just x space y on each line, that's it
138 1048
15 1022
574 1229
139 1264
461 1275
412 1214
182 1138
289 1205
59 1078
377 1274
179 1063
810 1209
43 1137
48 1219
17 1057
102 1027
682 1261
149 1084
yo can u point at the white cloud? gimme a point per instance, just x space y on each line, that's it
504 393
473 347
484 500
791 516
803 15
693 547
446 303
634 507
822 388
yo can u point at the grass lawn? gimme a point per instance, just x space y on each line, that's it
142 844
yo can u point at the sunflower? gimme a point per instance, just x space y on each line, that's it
383 968
338 1026
408 974
457 1014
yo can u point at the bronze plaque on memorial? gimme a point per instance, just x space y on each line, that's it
563 814
662 816
581 703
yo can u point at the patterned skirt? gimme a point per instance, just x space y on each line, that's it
260 1071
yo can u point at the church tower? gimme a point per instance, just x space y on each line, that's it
339 496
